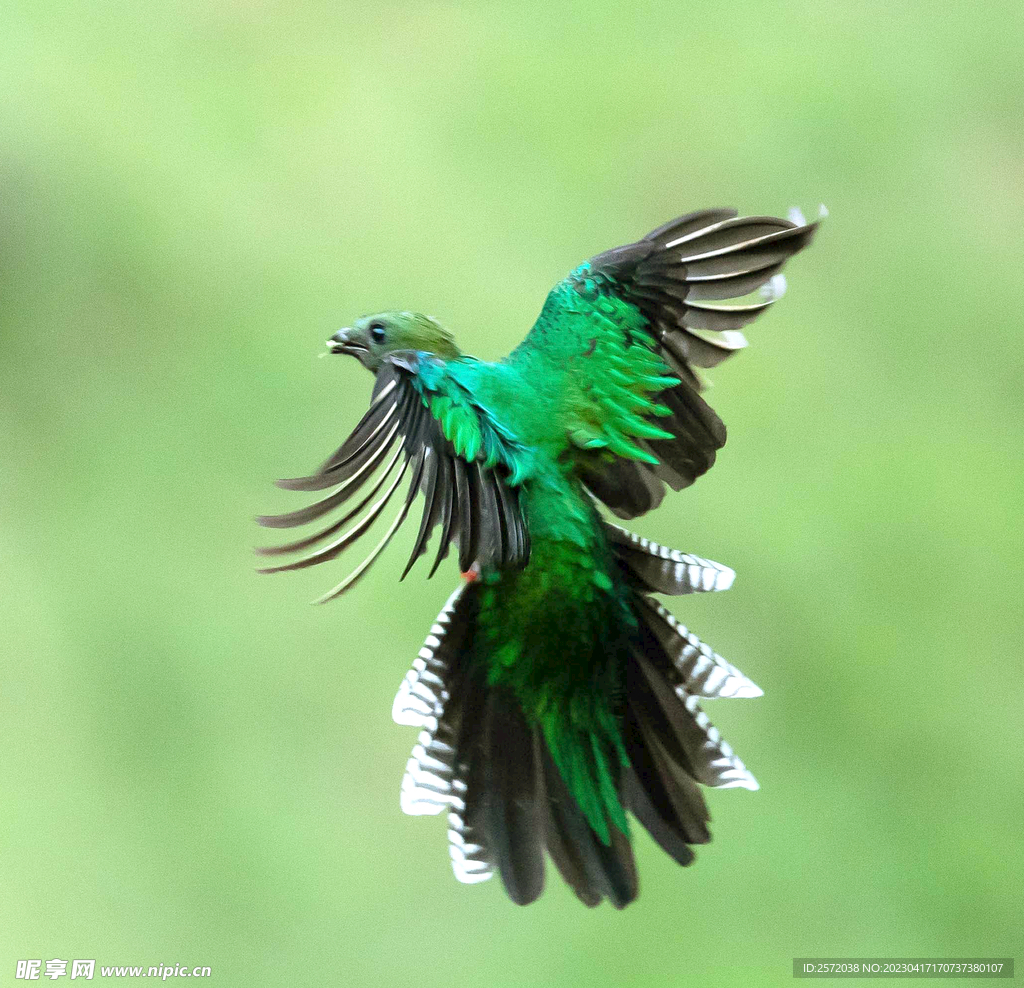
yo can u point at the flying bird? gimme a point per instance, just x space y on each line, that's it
555 695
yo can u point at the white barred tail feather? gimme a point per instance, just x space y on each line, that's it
702 671
654 568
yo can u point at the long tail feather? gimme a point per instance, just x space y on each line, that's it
597 870
654 568
698 669
510 796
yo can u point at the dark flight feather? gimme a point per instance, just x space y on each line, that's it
336 526
376 428
431 508
447 493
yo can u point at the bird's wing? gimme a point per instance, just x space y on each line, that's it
625 332
466 466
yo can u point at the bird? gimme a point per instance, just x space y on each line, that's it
558 700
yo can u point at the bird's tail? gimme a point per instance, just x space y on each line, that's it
481 761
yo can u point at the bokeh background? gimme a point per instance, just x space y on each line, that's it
196 767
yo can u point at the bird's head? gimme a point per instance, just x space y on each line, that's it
371 338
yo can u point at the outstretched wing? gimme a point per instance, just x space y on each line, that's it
639 422
467 468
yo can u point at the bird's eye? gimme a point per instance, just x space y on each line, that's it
377 332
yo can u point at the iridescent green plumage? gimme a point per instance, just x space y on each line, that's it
556 696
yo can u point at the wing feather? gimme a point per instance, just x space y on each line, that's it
472 495
447 512
468 534
661 295
279 550
337 547
431 508
366 438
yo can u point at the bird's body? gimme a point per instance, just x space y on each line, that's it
555 695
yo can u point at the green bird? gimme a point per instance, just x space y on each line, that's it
556 697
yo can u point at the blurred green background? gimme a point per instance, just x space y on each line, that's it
199 768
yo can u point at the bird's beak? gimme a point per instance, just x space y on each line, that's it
344 341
